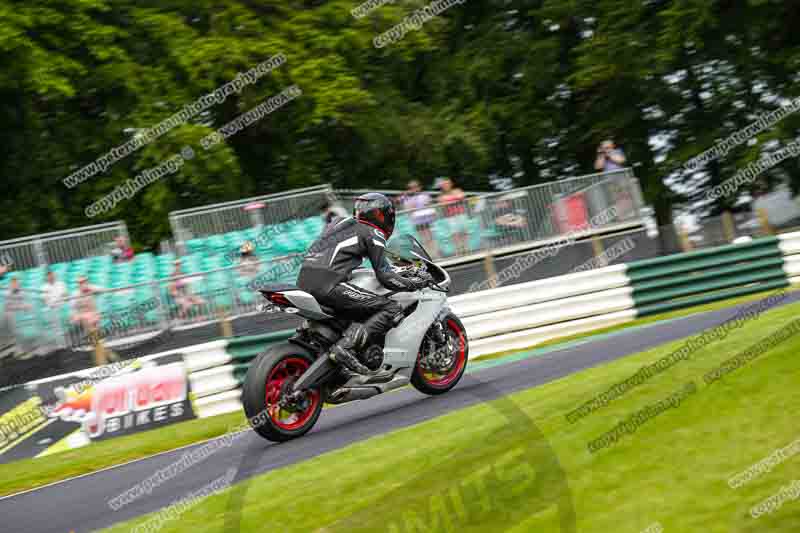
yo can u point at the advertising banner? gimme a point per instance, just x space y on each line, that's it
569 213
71 411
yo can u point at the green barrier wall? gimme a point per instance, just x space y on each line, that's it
244 349
704 276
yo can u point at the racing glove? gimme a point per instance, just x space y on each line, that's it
420 279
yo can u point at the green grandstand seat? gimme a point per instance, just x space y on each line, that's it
103 302
211 262
60 270
99 262
216 244
233 240
313 225
214 288
100 279
282 244
300 241
26 324
190 263
196 245
474 233
217 281
239 283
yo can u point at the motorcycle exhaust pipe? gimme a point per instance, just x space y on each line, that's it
355 393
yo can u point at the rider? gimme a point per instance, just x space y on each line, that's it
341 248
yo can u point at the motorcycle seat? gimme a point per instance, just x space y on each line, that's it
271 288
278 287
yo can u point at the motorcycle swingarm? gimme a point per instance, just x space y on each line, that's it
317 374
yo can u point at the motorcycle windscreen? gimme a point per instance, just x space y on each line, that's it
405 246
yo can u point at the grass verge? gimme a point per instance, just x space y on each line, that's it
673 469
31 473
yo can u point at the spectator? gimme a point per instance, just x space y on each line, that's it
330 209
179 290
121 251
15 301
422 215
609 157
54 293
3 271
248 262
455 213
86 315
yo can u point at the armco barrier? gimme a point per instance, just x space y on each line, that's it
216 387
693 278
505 318
789 244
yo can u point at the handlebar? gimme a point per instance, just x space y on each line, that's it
432 285
436 287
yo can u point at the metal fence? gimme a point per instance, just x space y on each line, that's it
253 212
518 217
136 311
28 327
478 224
713 231
61 246
347 197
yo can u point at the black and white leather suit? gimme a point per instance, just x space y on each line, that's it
327 266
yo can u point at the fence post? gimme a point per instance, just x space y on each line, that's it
41 258
488 265
224 323
599 251
163 306
100 355
764 219
728 226
686 243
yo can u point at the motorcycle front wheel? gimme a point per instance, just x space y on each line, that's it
439 372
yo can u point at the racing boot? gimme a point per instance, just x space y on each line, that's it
372 358
348 352
345 350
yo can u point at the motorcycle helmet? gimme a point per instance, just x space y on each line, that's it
375 210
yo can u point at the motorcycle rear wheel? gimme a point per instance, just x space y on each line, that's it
268 379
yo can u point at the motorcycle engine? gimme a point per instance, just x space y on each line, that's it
373 357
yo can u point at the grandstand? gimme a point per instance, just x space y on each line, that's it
136 299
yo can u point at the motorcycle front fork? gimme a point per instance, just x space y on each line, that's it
438 334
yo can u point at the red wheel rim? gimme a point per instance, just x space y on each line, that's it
288 369
442 380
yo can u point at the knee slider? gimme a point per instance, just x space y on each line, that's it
396 312
357 334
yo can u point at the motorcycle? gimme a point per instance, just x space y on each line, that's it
287 385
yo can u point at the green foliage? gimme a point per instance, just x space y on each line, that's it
523 88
